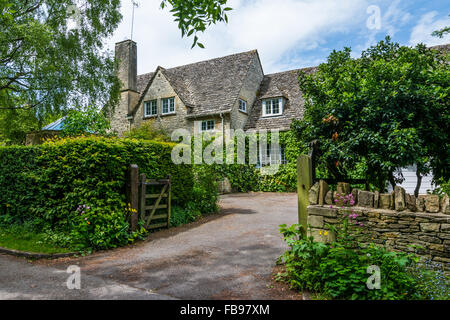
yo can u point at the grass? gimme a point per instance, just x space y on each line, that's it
24 240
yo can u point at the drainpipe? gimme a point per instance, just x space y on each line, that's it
223 130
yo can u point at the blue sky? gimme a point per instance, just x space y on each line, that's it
288 34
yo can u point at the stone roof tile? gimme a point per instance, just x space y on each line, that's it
208 87
282 84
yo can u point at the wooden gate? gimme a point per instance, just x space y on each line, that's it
154 202
148 199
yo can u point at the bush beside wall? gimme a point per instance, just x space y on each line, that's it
74 188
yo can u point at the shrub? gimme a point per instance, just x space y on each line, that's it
74 188
89 119
148 131
339 270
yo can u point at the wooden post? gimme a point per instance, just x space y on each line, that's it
169 209
133 194
142 192
304 183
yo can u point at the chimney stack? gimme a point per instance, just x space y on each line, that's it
126 53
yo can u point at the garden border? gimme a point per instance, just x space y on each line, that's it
36 255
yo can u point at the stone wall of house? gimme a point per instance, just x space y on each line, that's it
397 220
248 93
160 89
38 137
217 123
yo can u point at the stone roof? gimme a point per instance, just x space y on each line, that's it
282 84
142 81
207 87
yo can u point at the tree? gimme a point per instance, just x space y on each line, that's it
388 109
48 67
86 120
195 16
442 32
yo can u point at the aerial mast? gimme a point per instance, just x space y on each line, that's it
135 5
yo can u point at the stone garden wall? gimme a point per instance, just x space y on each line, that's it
397 220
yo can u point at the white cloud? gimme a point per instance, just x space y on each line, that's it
393 18
281 30
421 33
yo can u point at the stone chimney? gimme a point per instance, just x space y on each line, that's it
126 54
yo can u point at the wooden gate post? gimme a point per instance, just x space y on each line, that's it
142 195
133 194
304 183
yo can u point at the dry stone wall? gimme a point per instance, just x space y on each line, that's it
397 220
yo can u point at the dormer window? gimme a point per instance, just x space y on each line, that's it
272 107
151 108
168 105
242 105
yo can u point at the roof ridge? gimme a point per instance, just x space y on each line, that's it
212 59
207 60
287 71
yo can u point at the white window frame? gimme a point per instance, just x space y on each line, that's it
271 158
151 108
169 105
243 103
271 101
207 121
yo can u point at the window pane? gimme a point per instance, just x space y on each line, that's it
242 105
268 107
275 106
172 104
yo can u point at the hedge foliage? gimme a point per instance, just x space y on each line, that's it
245 177
74 188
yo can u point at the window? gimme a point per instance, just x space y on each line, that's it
270 155
207 125
272 107
151 108
168 105
243 105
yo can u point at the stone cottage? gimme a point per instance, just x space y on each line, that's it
230 92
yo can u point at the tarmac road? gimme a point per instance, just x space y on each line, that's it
229 255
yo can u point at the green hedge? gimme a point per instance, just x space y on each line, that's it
245 178
74 188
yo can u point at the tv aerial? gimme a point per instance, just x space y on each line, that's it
135 5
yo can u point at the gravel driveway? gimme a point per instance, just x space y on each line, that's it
230 255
